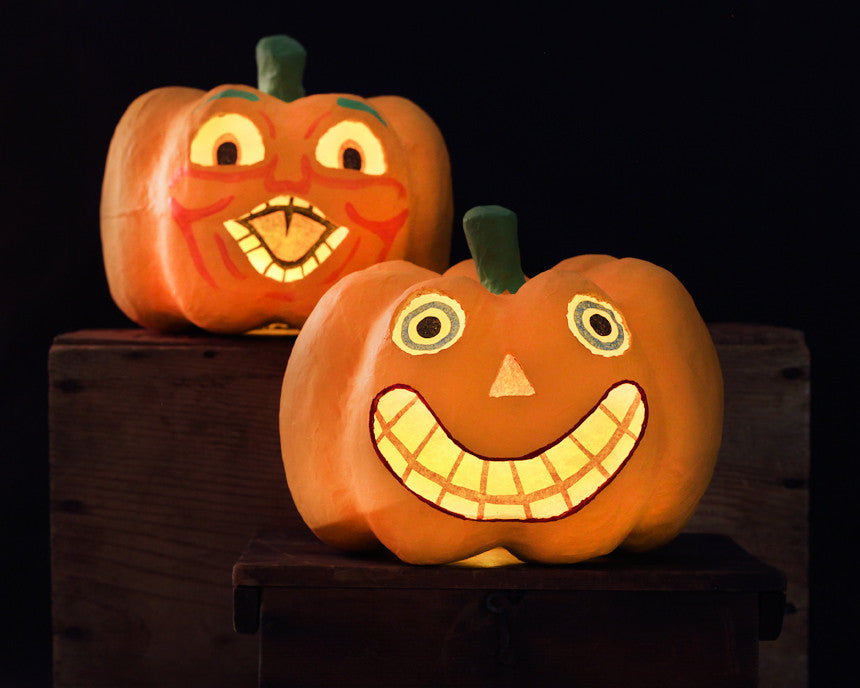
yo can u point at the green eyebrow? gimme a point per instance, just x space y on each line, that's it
358 105
235 93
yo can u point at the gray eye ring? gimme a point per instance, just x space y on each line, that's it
428 323
453 320
588 315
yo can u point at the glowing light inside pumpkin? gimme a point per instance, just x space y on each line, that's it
546 484
287 238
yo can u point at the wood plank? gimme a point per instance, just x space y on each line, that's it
165 460
759 494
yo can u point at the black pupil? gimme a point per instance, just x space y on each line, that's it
600 324
227 153
429 327
351 159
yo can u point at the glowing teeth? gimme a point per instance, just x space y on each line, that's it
287 238
546 484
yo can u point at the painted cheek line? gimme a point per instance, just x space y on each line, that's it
228 262
384 229
335 276
184 218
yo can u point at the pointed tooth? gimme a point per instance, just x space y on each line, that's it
336 237
309 266
237 231
260 259
322 252
293 275
249 243
275 272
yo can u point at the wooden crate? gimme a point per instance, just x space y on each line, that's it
165 461
688 614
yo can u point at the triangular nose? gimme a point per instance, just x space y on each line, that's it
511 380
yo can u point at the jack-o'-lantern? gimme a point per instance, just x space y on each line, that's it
482 416
239 207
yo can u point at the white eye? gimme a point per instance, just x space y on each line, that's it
227 139
350 145
598 325
428 323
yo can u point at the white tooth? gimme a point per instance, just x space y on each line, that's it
260 259
317 212
337 236
533 475
595 431
249 243
508 512
459 505
293 275
550 507
279 200
300 202
586 486
566 458
260 208
322 253
500 480
236 230
276 272
468 473
423 486
309 266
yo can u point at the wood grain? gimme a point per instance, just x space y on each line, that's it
165 460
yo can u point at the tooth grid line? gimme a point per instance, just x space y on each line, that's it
252 242
479 499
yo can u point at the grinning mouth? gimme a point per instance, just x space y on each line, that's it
546 484
287 238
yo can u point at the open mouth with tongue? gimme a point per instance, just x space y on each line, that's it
287 238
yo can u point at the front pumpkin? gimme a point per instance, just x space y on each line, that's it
239 207
425 412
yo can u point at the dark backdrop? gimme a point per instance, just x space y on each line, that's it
712 138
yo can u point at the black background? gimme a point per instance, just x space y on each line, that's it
712 138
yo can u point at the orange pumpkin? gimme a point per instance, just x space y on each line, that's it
239 207
480 413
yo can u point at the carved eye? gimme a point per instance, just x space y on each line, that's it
598 325
428 323
350 145
227 139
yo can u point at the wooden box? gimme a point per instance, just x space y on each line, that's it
688 614
165 461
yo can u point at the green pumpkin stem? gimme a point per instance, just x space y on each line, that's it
280 67
491 232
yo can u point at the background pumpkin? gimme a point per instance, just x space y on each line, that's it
399 366
238 207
